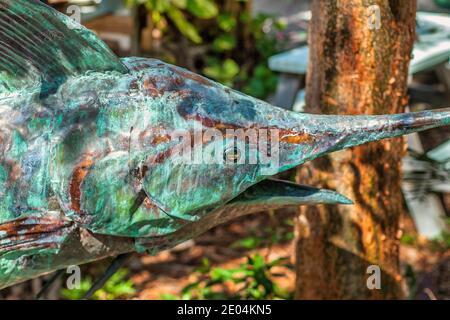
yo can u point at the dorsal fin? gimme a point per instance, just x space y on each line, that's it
40 48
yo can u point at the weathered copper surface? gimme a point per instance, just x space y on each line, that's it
87 168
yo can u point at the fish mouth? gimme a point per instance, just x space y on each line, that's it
282 193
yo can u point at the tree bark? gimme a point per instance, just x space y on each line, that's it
355 68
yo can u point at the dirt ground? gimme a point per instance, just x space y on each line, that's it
426 265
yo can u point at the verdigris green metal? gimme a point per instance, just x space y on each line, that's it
86 163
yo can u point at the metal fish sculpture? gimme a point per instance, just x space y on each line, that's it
87 168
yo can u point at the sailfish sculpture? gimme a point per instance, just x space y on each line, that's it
87 162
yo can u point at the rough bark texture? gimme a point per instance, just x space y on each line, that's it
355 70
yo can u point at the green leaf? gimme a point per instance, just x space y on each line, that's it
117 285
262 71
77 294
114 288
408 239
205 9
130 3
248 243
221 274
256 88
245 17
158 5
169 296
278 262
180 4
223 72
280 25
289 236
226 22
156 17
224 42
231 68
205 267
184 26
258 261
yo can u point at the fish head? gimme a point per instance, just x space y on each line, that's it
223 142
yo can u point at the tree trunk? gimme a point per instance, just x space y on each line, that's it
357 66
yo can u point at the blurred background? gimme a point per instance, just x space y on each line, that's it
260 47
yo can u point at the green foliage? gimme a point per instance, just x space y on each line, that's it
443 3
259 81
252 279
116 287
222 71
169 296
176 11
248 243
185 27
224 42
204 9
238 44
226 22
262 82
443 240
270 236
408 239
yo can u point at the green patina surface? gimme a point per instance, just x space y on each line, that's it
87 161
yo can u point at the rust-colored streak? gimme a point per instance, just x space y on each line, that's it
144 171
29 226
294 137
158 139
15 173
78 175
31 233
140 67
192 76
153 136
150 87
160 157
156 86
285 135
150 205
27 246
133 86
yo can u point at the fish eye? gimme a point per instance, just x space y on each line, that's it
232 155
